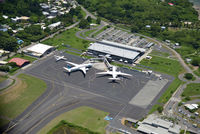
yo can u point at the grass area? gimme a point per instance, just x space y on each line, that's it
171 89
66 127
89 32
68 37
86 117
163 65
17 98
154 52
197 72
154 108
31 59
191 90
98 32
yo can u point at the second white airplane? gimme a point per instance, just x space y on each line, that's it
82 67
114 73
58 58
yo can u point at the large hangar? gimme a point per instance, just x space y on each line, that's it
117 51
39 50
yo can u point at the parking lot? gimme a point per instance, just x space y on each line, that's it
116 35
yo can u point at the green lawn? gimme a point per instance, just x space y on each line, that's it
197 72
19 97
163 65
154 52
68 37
191 90
171 89
86 117
89 32
31 59
104 28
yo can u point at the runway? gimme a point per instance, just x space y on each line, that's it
66 92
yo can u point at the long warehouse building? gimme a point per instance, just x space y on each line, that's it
116 51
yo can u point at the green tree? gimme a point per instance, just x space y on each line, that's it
84 24
89 19
160 109
188 76
98 21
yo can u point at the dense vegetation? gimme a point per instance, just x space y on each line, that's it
142 12
66 127
20 7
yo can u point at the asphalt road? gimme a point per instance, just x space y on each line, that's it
66 92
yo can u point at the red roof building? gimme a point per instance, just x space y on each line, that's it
20 62
171 4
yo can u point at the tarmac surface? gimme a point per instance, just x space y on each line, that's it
68 91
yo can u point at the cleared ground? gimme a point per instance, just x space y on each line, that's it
19 96
68 37
86 117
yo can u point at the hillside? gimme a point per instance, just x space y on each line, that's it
20 7
145 11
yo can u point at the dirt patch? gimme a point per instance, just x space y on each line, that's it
13 92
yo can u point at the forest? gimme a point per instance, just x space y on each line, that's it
14 8
142 11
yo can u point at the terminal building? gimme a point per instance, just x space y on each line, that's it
156 125
116 51
39 50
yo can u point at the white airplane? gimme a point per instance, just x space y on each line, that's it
114 73
81 67
58 58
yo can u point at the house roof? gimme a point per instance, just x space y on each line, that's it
19 61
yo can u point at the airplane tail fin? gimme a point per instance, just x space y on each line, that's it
114 79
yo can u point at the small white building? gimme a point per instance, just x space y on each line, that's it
191 106
45 13
39 50
51 17
54 25
5 17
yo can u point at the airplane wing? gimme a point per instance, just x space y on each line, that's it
74 64
104 73
83 69
123 74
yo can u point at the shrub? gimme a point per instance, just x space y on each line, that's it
160 109
188 76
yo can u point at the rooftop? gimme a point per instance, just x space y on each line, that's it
113 50
19 61
39 48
